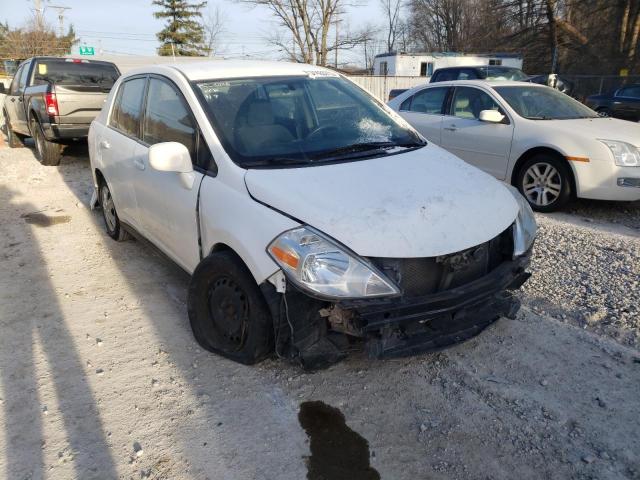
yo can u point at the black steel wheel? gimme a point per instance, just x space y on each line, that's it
227 311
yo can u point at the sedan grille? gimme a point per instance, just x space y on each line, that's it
423 276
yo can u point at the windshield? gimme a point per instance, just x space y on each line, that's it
543 103
75 73
504 73
281 121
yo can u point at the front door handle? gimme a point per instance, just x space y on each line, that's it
451 128
105 145
139 163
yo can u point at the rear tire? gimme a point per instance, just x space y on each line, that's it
48 153
545 181
228 314
110 215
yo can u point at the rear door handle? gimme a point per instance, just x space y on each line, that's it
105 145
452 128
139 163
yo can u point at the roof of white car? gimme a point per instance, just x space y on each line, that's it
216 69
486 83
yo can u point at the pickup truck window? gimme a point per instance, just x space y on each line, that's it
75 73
127 107
13 89
167 118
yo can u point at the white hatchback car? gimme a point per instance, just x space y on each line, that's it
548 145
305 210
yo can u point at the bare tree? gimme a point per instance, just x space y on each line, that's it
393 23
309 23
35 38
213 22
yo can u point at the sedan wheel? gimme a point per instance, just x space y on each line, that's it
110 215
542 184
109 209
545 181
227 309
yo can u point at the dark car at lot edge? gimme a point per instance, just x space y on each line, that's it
624 103
54 100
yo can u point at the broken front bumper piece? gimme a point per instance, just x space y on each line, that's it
306 328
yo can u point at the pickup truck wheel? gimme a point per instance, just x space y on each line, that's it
227 311
14 140
48 153
544 180
110 215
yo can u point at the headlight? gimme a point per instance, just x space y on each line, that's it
624 154
316 264
524 231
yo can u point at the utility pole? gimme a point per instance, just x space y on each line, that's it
37 6
337 21
60 17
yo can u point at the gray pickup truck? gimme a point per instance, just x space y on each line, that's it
54 100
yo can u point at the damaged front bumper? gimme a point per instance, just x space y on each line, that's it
306 327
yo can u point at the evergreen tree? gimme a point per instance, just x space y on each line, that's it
183 34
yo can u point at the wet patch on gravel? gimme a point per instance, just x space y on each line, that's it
337 452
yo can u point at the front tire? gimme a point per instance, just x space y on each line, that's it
603 112
14 140
227 311
48 153
545 181
110 215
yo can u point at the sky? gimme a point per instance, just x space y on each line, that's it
128 26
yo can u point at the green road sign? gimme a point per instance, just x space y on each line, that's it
87 51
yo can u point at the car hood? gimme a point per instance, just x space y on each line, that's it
600 127
422 203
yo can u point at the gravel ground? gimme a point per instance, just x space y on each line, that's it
617 213
588 277
100 377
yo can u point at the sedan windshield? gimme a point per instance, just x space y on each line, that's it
543 103
282 121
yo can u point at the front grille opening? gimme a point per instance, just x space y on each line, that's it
423 276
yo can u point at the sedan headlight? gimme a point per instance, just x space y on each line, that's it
525 227
315 263
624 154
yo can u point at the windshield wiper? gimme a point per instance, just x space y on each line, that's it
275 162
364 147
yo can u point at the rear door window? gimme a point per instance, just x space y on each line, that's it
429 100
127 108
78 73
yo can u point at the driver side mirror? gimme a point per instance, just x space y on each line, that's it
491 116
172 157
